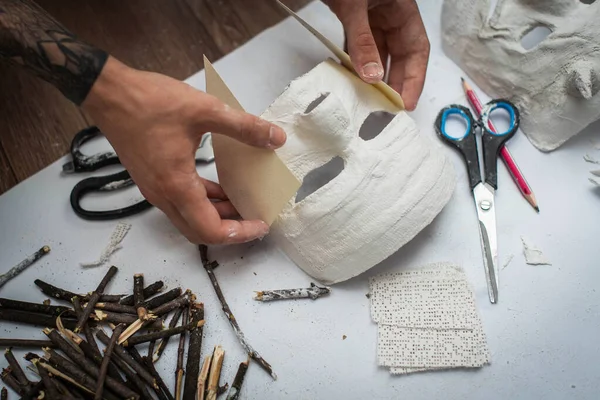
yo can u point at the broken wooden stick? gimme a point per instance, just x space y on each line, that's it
36 319
106 360
87 331
50 390
163 343
236 386
208 266
26 343
313 292
138 296
135 340
65 295
32 307
4 394
179 371
192 365
23 265
116 307
202 377
17 371
161 383
94 297
149 291
215 373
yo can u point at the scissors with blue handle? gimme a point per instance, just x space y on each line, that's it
483 190
107 183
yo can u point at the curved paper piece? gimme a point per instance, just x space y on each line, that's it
256 181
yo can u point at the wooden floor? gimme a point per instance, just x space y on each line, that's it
170 37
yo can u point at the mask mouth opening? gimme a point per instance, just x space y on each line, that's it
314 104
319 177
374 124
534 36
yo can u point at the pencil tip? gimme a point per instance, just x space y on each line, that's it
462 79
537 209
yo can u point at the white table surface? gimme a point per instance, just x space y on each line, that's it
543 334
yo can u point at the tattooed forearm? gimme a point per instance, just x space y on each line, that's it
30 37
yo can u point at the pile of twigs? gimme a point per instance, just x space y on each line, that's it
72 366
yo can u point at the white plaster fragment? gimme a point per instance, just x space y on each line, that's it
533 255
114 244
508 261
558 71
595 182
390 188
591 159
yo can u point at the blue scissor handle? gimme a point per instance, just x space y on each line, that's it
467 144
512 111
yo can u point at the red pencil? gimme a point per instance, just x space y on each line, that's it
508 159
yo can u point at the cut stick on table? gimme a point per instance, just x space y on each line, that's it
23 265
313 292
236 386
65 295
505 154
215 373
135 340
163 387
17 371
34 318
138 296
208 266
202 377
95 296
179 371
32 307
87 331
25 343
163 343
50 389
106 360
192 365
149 291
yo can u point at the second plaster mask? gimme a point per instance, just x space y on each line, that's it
554 83
391 186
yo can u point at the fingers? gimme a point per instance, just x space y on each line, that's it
361 43
214 116
379 36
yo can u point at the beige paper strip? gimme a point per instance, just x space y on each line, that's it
390 93
256 180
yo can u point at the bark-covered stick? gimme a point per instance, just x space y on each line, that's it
23 265
36 319
17 371
161 383
66 392
106 360
215 373
94 354
180 354
65 295
116 307
202 377
192 366
88 366
208 266
4 394
119 318
135 340
236 386
87 331
138 296
313 292
162 298
95 296
149 291
127 358
10 381
26 343
60 373
163 343
50 390
32 307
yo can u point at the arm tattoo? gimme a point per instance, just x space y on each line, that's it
30 37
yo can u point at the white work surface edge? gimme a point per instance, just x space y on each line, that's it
543 334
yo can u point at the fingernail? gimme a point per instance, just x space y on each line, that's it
372 70
276 137
264 232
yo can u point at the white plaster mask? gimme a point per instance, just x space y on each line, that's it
390 188
555 83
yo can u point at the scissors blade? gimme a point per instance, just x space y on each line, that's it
486 212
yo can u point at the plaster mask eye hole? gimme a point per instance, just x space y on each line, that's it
535 36
316 102
374 124
319 177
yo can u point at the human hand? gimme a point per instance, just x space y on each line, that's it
377 29
155 125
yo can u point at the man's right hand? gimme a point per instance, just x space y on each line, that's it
155 124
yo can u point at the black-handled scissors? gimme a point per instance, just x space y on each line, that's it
84 163
483 193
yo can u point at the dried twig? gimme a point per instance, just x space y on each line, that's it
36 319
135 340
119 318
179 371
4 394
95 296
106 361
95 355
313 292
236 386
149 291
16 369
32 307
163 343
23 265
164 389
133 377
87 331
208 266
25 343
192 365
116 307
138 296
127 358
162 299
49 387
215 373
65 295
202 377
10 381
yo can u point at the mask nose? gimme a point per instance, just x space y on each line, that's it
583 80
331 121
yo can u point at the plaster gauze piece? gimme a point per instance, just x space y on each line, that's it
390 188
554 83
533 256
114 244
255 180
427 320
